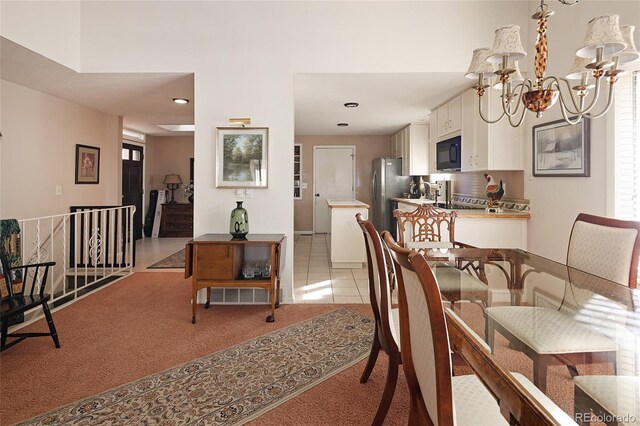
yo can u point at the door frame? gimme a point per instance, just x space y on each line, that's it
143 145
353 169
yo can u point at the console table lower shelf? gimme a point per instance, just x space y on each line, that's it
215 260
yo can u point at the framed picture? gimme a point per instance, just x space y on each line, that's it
87 164
561 149
241 157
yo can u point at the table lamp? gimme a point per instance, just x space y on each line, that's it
172 182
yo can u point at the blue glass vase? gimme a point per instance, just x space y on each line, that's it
239 225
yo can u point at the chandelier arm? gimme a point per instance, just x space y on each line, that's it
517 97
578 111
566 116
520 120
556 81
610 98
482 115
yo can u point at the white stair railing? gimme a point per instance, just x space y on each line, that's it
91 246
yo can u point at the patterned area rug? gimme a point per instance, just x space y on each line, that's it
176 260
234 385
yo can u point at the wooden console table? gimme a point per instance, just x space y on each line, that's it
215 260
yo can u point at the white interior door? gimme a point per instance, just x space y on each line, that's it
333 178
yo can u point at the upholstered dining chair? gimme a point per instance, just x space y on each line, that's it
437 398
608 397
604 247
387 334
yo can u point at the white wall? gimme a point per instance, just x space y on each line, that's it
40 133
51 28
555 202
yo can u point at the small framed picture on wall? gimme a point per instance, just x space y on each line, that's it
87 164
561 149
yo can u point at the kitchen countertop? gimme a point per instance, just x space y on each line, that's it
347 204
470 213
416 201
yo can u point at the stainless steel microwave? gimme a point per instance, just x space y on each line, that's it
448 155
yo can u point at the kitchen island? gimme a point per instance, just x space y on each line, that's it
347 242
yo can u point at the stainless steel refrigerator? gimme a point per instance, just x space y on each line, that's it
387 182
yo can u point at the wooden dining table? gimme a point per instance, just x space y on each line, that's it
514 277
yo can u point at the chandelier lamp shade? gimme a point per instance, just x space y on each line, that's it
606 47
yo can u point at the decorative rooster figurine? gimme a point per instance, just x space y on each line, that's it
494 192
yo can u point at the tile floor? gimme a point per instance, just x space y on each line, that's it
152 250
314 281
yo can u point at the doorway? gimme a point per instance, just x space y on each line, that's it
333 178
132 190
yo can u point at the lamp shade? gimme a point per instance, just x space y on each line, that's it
479 64
602 31
514 77
630 53
507 42
172 179
579 67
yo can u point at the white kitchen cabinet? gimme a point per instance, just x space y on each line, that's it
486 146
347 244
450 118
433 140
412 143
492 232
397 147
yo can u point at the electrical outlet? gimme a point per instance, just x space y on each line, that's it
239 193
58 189
248 193
304 185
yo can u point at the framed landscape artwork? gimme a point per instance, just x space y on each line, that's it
87 164
561 149
241 157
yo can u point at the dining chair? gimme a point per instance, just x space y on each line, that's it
436 398
600 246
425 227
615 398
387 334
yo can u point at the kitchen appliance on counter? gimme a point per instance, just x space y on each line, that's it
386 182
449 155
442 193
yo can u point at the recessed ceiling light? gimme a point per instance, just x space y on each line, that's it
181 101
351 105
343 124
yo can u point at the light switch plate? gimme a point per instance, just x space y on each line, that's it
248 193
304 185
239 193
58 189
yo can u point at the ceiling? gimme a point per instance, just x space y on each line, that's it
388 102
144 100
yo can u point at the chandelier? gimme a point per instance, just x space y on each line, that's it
606 47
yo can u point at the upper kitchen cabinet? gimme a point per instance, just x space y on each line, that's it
486 146
449 118
412 145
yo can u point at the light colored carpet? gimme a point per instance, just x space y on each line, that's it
176 260
234 385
